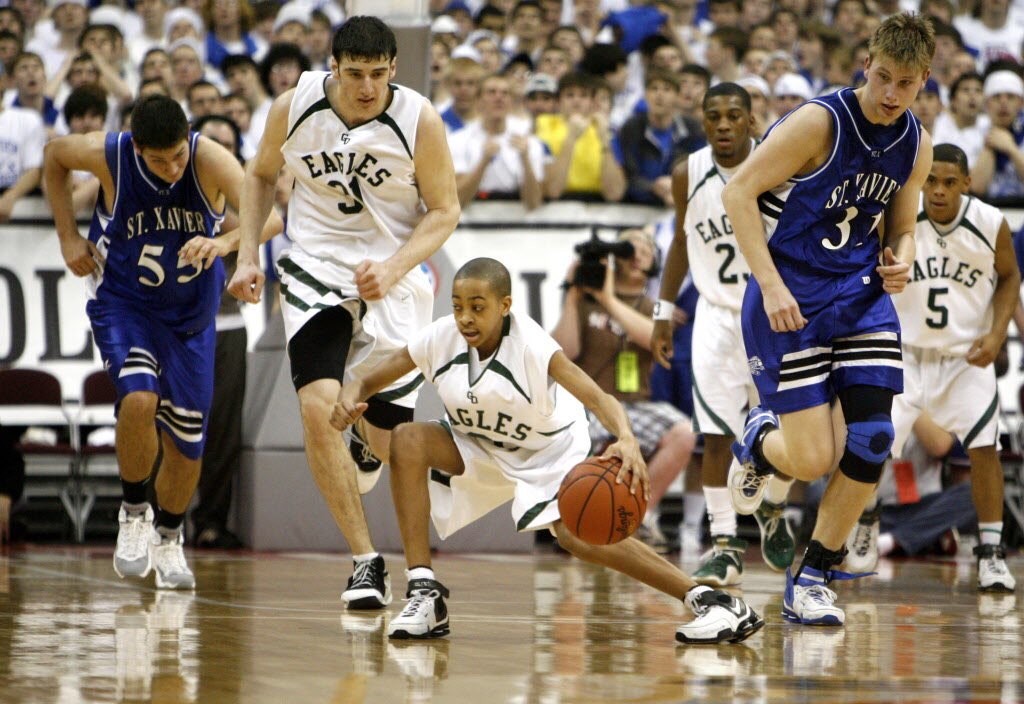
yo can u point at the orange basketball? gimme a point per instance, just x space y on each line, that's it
594 508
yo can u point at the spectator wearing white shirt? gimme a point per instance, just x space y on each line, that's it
962 123
243 77
35 26
999 171
69 20
992 32
22 137
492 159
152 14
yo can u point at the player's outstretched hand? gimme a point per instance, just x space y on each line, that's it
628 450
247 283
661 343
202 250
81 256
895 273
984 350
373 280
346 411
782 309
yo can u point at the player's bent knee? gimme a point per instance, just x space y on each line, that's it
138 405
406 444
868 443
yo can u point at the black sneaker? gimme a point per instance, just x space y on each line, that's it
368 464
425 614
369 587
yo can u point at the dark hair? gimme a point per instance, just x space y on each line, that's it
698 71
525 3
576 79
602 59
659 75
487 11
951 154
199 124
652 43
280 53
1002 65
18 18
731 38
8 34
971 76
734 3
947 30
727 89
234 61
202 83
319 16
490 270
158 81
365 38
113 33
27 55
158 122
85 100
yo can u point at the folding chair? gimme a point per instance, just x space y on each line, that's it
34 397
97 462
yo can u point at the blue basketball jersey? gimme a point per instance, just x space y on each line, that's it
825 224
140 238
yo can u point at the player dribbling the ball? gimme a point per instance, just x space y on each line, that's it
515 426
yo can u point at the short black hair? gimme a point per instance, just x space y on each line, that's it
199 124
85 100
201 83
487 11
943 29
697 70
279 53
364 38
18 17
525 3
576 79
602 59
521 58
652 43
952 154
490 270
726 89
158 122
969 76
731 38
234 61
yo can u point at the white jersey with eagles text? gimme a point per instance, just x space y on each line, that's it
718 268
355 194
948 303
518 432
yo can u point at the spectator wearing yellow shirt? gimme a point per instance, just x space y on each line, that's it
579 138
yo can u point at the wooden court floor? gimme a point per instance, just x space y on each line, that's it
539 629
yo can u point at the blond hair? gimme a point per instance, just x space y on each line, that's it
906 38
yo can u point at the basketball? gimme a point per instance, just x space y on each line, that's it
594 508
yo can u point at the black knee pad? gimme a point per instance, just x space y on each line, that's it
870 433
386 415
319 350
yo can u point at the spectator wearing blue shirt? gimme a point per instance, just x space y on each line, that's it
649 143
463 84
30 84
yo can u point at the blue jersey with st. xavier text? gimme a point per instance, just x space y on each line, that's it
140 238
825 224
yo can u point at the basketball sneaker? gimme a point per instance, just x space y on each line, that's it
808 601
131 556
425 614
722 565
862 543
721 618
368 464
369 587
993 574
749 475
777 544
172 571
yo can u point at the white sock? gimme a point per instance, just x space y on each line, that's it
886 543
990 533
777 491
720 510
420 573
693 509
365 558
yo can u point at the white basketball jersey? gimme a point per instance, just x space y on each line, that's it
355 193
719 270
510 401
948 303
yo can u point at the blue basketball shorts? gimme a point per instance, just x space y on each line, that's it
142 354
675 385
852 338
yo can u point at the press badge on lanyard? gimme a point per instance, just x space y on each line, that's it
627 372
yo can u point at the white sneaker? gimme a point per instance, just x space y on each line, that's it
131 556
425 614
862 543
810 602
172 571
993 574
721 618
746 487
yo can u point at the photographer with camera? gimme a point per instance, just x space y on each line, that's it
605 328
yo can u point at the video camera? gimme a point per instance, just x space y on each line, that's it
591 271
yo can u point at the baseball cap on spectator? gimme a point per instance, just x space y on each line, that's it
792 84
466 51
781 56
1000 82
191 43
444 24
457 6
931 86
293 11
541 83
183 14
480 34
108 14
755 83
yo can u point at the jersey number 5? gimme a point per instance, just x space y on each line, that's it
844 228
933 305
148 259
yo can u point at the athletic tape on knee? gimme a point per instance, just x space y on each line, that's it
867 446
